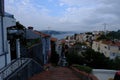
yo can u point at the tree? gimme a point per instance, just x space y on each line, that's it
102 37
91 58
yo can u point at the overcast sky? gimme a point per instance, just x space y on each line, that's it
66 15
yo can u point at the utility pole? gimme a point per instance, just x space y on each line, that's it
105 25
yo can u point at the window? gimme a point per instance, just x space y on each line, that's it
113 54
105 47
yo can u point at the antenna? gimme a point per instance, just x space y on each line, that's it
105 25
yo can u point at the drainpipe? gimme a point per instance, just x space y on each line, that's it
2 29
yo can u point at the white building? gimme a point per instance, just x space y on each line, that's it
110 49
6 20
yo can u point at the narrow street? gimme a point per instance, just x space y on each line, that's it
58 73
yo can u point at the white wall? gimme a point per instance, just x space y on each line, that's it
0 37
7 22
103 74
2 61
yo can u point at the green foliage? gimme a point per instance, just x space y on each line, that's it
102 37
91 58
19 26
83 68
95 59
115 64
74 58
111 36
32 42
114 35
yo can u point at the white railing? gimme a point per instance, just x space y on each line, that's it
11 68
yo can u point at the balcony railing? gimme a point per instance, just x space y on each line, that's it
8 70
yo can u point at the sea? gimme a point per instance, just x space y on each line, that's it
62 36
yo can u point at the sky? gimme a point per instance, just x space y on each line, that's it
66 15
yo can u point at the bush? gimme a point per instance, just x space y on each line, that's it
83 68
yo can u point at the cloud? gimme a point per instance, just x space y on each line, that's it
92 16
29 14
80 2
76 14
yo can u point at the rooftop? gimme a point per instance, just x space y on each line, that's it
53 39
112 43
8 15
42 34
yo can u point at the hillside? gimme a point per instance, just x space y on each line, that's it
53 32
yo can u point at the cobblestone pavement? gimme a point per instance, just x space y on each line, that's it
58 73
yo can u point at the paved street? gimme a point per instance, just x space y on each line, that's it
59 73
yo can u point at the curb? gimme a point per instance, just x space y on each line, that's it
91 76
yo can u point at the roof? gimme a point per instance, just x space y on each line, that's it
30 34
42 34
63 41
112 43
53 39
9 15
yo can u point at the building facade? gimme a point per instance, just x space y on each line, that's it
110 49
6 20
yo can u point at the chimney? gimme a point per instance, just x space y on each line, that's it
1 7
30 28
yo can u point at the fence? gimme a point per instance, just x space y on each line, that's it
34 52
11 67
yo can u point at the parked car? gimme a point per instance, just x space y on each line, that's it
117 76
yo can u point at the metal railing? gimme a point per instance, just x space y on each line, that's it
26 71
5 72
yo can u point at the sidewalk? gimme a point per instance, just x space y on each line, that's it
58 73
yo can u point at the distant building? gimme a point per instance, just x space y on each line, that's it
46 45
110 49
79 38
